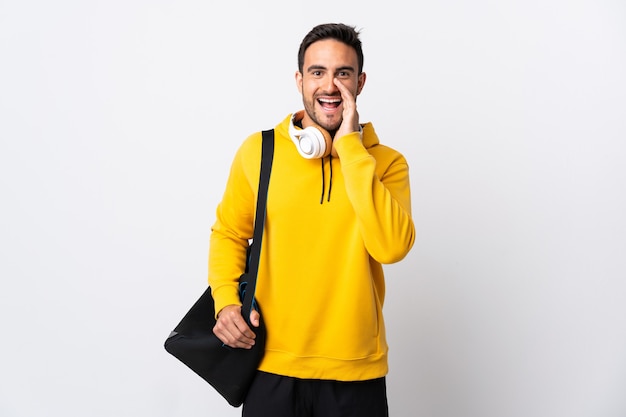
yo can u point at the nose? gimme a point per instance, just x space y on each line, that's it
329 84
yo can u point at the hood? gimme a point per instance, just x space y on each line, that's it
369 139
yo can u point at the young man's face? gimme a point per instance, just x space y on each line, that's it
324 61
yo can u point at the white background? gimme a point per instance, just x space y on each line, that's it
118 122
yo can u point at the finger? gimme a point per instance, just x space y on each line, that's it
242 341
254 318
346 95
243 331
350 115
232 329
233 338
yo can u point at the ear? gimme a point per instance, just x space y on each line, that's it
299 81
360 83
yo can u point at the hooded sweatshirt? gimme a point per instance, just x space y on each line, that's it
320 284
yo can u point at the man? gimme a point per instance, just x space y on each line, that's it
320 284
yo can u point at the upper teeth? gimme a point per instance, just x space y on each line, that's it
326 100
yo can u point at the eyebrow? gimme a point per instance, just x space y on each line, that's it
321 67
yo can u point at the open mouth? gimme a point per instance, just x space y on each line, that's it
329 103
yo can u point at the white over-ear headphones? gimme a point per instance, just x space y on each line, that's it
312 141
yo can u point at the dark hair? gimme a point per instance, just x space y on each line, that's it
338 31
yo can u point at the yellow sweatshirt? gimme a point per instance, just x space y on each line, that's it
330 225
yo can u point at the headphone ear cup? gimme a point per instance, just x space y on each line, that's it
313 142
323 138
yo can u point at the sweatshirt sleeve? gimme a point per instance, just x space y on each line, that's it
379 190
233 228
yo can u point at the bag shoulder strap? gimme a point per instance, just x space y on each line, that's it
267 156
